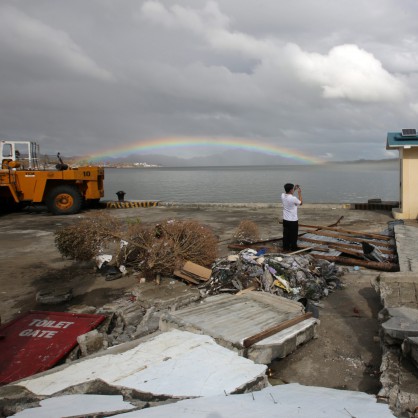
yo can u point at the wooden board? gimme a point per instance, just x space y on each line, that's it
202 272
193 273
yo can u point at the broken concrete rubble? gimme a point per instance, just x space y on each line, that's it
399 376
91 342
402 323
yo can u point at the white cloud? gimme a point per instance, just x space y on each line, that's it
25 38
347 72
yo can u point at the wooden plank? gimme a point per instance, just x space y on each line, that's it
302 250
349 232
374 265
200 272
248 342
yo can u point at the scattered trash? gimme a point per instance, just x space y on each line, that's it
110 272
293 277
100 259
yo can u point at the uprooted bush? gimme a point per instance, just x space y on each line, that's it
88 237
153 249
246 232
162 248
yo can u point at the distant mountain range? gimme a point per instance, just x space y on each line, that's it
227 158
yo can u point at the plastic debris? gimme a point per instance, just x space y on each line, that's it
100 259
290 276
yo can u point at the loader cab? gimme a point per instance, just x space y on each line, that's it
18 154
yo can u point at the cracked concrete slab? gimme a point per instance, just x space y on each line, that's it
403 323
230 319
292 400
77 405
174 364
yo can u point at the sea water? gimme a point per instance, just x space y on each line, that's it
330 183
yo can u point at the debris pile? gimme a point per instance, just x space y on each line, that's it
291 276
343 246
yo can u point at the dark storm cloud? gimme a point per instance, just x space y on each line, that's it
325 78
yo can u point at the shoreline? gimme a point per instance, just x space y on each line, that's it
371 205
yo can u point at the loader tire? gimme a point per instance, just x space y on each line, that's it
64 200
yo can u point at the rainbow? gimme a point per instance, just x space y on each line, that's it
155 145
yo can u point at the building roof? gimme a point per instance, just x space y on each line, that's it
396 140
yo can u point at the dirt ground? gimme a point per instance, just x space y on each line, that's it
346 354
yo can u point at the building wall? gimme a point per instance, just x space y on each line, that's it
408 184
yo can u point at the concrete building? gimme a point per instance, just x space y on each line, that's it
407 144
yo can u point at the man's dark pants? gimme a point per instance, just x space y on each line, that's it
290 235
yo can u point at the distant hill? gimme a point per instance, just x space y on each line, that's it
363 161
226 158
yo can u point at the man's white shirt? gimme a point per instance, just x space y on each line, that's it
290 207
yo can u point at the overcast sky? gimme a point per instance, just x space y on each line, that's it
325 78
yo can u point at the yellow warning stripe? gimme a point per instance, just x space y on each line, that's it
127 205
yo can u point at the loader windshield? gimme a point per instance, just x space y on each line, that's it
24 152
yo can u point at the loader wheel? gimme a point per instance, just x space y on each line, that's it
64 200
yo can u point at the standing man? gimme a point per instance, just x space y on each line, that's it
290 216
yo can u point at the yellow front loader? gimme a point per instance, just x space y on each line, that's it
26 180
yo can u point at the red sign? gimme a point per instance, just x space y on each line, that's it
36 341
